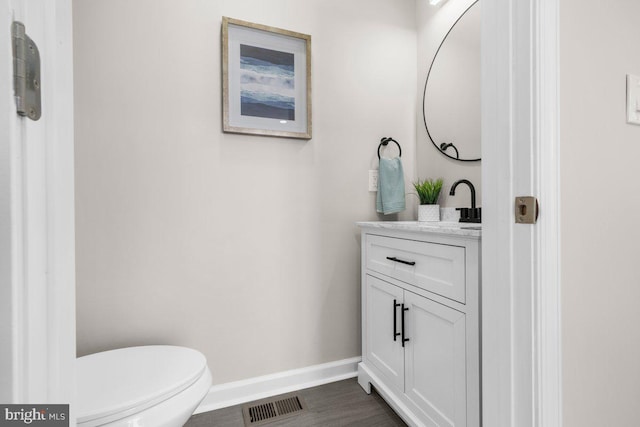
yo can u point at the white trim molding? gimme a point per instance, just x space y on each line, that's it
37 249
548 307
521 269
237 392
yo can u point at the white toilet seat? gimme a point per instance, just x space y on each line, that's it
131 383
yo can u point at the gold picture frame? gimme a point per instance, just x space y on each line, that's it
266 80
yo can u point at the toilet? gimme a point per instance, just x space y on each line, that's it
148 386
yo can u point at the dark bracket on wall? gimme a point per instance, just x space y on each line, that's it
444 146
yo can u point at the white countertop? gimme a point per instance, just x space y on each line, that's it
441 227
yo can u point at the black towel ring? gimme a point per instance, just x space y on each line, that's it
385 141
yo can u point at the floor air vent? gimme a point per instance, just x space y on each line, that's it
272 409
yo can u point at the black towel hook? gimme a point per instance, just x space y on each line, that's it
385 141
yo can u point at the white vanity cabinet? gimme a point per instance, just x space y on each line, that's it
420 321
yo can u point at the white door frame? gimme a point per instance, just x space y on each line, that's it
521 281
37 245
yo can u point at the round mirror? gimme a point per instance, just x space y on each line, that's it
451 103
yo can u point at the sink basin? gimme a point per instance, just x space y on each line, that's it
444 224
452 224
442 227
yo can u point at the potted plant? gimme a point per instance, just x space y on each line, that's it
428 191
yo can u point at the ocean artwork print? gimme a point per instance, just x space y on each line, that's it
267 84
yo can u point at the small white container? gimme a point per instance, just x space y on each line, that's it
428 213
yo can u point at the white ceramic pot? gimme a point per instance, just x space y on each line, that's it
428 213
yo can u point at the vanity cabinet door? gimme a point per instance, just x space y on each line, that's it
382 351
435 361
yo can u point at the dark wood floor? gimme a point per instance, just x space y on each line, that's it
342 403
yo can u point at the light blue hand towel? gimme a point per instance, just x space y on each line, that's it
390 197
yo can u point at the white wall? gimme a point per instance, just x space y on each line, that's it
242 247
600 200
432 25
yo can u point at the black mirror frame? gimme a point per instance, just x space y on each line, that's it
442 147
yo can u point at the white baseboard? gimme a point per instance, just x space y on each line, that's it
237 392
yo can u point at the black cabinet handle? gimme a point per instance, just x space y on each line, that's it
404 340
392 258
395 321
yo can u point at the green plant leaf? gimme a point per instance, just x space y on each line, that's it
428 190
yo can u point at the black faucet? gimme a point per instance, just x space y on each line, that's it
472 214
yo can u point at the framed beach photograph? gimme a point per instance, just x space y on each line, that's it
266 80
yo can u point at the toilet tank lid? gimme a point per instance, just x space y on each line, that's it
129 380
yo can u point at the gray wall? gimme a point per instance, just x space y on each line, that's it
242 247
599 202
